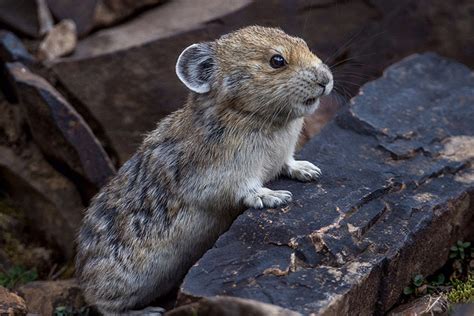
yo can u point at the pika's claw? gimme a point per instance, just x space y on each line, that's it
264 197
303 170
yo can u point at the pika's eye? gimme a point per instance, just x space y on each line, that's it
277 61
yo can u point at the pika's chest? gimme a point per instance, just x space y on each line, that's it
264 156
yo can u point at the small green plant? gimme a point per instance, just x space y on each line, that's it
70 311
462 292
459 250
462 260
16 276
417 286
454 281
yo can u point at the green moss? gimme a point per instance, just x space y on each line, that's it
16 276
462 291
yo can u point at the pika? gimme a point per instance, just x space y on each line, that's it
202 166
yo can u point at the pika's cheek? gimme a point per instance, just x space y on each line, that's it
235 80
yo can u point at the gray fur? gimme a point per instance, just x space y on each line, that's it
192 176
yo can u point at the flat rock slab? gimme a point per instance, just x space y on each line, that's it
59 131
396 192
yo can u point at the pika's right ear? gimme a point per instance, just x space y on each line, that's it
195 67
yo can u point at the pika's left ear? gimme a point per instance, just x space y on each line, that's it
195 67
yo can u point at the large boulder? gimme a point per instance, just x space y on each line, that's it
28 17
50 161
132 65
110 12
397 191
92 14
59 131
81 12
51 202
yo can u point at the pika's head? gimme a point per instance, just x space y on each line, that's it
258 70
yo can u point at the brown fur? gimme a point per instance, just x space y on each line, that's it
201 166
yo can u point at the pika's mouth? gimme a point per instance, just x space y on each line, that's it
309 101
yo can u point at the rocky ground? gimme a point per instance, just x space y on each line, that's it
81 83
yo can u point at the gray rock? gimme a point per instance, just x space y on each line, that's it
396 193
81 12
230 306
11 50
29 17
169 19
428 305
60 41
112 11
51 201
60 132
93 14
51 204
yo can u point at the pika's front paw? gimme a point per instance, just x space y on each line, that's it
303 170
264 197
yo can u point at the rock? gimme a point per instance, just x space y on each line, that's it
230 306
11 304
46 297
11 49
396 193
462 309
427 305
81 12
171 18
18 248
60 41
60 132
30 17
93 14
132 65
112 11
51 202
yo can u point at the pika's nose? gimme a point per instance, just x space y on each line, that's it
322 85
324 78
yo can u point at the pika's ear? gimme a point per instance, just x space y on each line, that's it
195 67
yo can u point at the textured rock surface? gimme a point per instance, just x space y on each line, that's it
90 14
60 41
135 87
428 305
50 200
167 20
397 190
11 48
81 12
230 306
59 131
43 297
11 304
29 17
112 11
